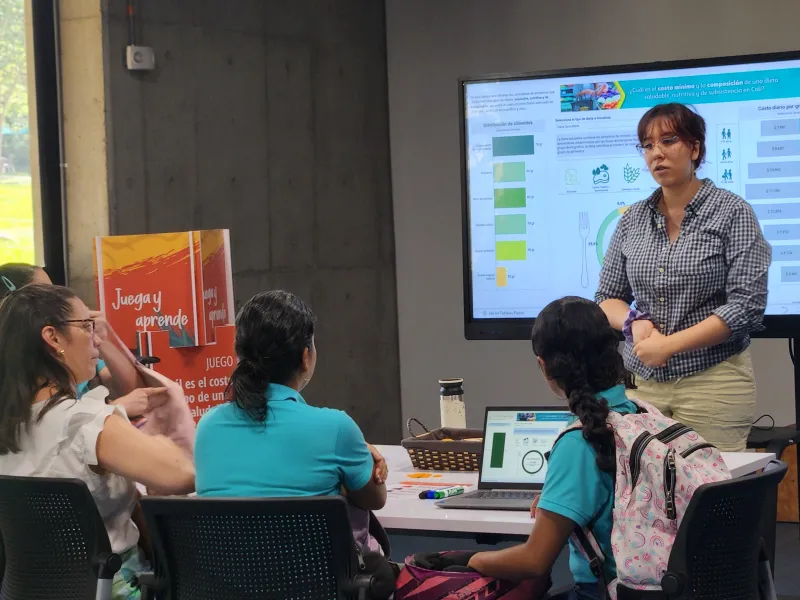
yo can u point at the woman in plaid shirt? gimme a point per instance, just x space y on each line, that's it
685 280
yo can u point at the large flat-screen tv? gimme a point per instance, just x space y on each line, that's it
549 164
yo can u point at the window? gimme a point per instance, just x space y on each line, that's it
18 227
31 223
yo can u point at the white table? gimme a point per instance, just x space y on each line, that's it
405 512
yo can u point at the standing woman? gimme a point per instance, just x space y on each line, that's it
685 280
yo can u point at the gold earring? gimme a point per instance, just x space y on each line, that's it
61 352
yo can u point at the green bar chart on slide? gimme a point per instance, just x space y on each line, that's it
509 197
510 224
498 450
512 145
516 250
509 172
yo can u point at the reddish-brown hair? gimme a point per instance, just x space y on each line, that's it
679 119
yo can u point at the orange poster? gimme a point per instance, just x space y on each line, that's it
202 371
147 283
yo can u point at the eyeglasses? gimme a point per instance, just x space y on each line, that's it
86 324
666 144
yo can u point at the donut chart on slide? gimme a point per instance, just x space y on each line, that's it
601 232
533 462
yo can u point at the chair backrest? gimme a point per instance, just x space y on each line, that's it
243 548
716 551
52 533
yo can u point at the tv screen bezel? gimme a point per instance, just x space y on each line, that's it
775 326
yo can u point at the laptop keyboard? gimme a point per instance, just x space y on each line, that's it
506 495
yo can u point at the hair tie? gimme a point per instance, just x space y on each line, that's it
8 283
253 367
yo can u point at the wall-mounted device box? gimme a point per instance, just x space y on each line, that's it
140 58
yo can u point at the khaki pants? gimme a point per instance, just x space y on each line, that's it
718 403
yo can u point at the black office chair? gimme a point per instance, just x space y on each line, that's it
242 549
773 440
718 552
54 541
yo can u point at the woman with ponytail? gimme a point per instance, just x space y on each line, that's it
282 446
577 352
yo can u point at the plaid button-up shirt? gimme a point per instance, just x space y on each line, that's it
717 266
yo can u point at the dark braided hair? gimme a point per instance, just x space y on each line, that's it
581 355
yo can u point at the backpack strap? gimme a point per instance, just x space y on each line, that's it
574 427
586 542
644 408
584 538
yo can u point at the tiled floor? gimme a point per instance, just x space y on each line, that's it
787 561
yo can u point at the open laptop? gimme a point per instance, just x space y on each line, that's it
513 463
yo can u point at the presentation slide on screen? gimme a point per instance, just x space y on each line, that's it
516 443
553 165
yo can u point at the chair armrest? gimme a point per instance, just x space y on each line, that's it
149 584
107 565
359 586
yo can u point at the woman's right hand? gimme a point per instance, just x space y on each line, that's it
641 330
381 470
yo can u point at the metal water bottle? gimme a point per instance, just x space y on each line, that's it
451 403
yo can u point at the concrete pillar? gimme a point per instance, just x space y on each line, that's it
83 39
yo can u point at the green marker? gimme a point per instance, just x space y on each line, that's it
451 491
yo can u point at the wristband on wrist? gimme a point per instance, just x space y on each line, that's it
633 315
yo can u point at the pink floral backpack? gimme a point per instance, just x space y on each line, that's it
659 465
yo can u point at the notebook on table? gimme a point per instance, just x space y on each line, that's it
513 464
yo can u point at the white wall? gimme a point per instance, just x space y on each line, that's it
432 43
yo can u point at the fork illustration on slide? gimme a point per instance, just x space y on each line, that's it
583 228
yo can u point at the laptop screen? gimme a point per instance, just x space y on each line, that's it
515 443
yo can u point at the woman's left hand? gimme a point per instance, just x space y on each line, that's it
535 505
381 470
655 350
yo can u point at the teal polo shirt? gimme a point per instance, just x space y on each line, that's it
300 450
84 387
576 489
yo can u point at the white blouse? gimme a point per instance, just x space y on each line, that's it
64 444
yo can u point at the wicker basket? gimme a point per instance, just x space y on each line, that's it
431 452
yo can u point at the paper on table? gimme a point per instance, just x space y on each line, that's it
403 490
433 484
413 488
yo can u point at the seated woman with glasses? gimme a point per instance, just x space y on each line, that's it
685 280
47 349
283 447
114 369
